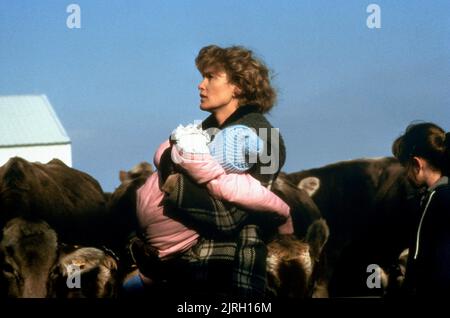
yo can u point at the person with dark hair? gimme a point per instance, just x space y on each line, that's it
424 151
229 255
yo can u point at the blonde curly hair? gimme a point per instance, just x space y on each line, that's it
244 70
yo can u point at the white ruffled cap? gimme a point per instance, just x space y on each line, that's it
191 138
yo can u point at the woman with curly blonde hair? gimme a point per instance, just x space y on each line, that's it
221 249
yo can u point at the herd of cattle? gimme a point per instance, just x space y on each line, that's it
347 216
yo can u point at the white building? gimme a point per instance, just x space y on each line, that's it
29 128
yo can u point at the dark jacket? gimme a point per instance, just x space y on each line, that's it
428 268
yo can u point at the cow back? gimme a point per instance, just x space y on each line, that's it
71 201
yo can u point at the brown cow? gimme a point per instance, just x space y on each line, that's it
33 264
367 205
69 200
73 206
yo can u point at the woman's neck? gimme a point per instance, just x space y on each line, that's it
432 177
222 114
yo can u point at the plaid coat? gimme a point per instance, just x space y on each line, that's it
231 256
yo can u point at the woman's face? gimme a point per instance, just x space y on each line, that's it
216 92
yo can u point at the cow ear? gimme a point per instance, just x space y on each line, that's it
107 281
317 236
310 185
123 176
141 169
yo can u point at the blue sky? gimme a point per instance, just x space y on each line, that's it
127 78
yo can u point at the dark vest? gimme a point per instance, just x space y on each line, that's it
250 116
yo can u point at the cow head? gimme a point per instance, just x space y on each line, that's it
28 251
293 265
33 265
141 170
84 272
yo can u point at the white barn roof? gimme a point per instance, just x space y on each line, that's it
29 120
